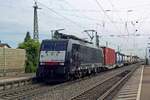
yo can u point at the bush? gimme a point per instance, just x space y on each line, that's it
32 53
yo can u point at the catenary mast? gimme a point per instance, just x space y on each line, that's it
35 27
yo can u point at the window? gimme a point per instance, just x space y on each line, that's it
54 45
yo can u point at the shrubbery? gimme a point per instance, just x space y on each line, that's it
32 53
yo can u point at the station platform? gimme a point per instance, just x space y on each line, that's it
137 87
17 77
145 88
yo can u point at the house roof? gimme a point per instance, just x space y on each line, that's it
4 44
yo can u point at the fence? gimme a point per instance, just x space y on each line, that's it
11 61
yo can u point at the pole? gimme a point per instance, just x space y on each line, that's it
97 39
146 59
106 43
35 27
118 48
52 34
4 69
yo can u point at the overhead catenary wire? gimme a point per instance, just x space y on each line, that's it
106 14
53 10
126 24
113 7
59 15
111 3
143 20
85 17
139 6
67 19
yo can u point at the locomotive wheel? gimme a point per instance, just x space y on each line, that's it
98 70
95 71
78 74
67 76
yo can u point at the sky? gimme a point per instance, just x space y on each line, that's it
124 24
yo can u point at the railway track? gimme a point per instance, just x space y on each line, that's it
18 92
76 89
34 91
107 88
31 90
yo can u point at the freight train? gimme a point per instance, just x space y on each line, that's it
67 58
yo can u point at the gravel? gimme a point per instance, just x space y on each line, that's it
67 92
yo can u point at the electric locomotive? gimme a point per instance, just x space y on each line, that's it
62 59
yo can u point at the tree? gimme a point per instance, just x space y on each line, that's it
27 37
32 52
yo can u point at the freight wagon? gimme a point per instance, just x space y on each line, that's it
109 57
129 59
134 59
119 59
125 60
12 61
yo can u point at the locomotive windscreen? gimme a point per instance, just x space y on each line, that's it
53 52
54 45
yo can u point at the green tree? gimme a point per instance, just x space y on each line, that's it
32 53
27 37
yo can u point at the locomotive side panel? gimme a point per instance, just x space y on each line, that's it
86 59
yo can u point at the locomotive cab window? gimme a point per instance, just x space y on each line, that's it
54 45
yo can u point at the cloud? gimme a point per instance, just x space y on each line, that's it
17 18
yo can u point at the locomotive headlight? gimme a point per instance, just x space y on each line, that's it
61 63
41 63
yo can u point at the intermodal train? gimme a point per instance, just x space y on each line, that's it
63 59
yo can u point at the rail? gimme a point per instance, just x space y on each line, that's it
114 89
37 91
107 88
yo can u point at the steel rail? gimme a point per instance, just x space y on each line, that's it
103 90
31 91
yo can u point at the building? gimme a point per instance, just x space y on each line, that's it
4 45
